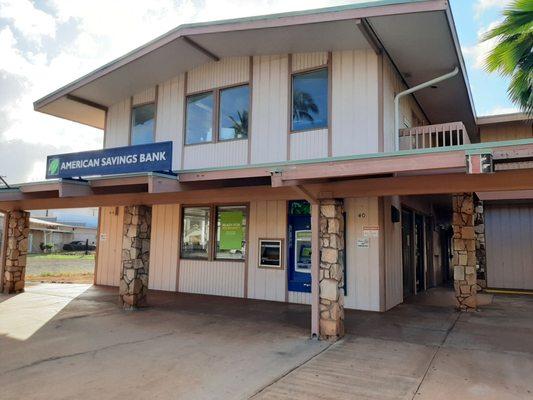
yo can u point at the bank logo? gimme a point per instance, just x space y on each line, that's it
53 166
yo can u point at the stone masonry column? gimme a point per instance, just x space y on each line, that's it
331 275
464 252
481 253
18 228
135 256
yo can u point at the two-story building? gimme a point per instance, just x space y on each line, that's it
326 157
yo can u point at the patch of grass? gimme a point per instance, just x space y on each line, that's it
63 256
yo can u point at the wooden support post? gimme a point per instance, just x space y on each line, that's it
315 269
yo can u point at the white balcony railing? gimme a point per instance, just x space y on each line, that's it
428 136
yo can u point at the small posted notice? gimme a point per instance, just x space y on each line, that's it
363 243
370 231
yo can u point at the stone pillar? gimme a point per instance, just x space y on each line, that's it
481 254
331 275
135 256
464 252
18 228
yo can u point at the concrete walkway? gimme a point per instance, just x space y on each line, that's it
72 341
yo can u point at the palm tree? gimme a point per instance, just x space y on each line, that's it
304 105
513 54
240 126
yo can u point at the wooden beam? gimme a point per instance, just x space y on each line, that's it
74 189
306 194
86 102
315 270
159 184
367 31
224 174
200 48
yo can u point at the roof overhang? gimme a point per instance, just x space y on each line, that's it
411 172
396 24
502 118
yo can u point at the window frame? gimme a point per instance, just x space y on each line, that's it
216 113
132 108
213 228
281 265
326 67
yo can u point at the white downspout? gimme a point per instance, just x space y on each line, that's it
412 90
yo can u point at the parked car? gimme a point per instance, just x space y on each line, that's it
78 245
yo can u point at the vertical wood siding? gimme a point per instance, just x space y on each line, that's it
221 278
269 108
299 298
393 254
506 131
221 154
268 220
309 144
117 130
302 61
355 102
227 71
509 244
164 247
393 85
110 249
169 124
362 275
146 96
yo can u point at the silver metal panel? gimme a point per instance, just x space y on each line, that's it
509 243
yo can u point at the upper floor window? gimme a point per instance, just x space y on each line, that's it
199 123
231 107
233 123
143 124
310 100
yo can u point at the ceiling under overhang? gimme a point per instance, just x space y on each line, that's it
418 36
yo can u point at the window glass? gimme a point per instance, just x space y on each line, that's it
195 236
231 232
233 122
310 100
199 124
142 124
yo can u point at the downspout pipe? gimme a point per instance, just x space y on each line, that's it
416 88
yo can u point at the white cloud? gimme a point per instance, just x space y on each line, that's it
481 6
31 22
94 38
478 52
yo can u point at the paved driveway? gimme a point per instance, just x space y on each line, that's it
73 341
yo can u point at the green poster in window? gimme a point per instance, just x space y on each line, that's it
231 231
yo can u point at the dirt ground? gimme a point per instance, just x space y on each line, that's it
60 268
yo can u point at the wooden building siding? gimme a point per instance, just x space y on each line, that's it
299 298
269 109
410 113
363 264
164 247
221 278
221 154
268 220
354 120
228 71
309 144
506 131
301 61
393 254
117 130
146 96
110 246
169 118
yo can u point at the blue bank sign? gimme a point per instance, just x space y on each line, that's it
155 157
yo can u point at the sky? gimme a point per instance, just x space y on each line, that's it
45 44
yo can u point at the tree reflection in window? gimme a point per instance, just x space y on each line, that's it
310 100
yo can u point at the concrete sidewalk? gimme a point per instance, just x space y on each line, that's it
73 341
